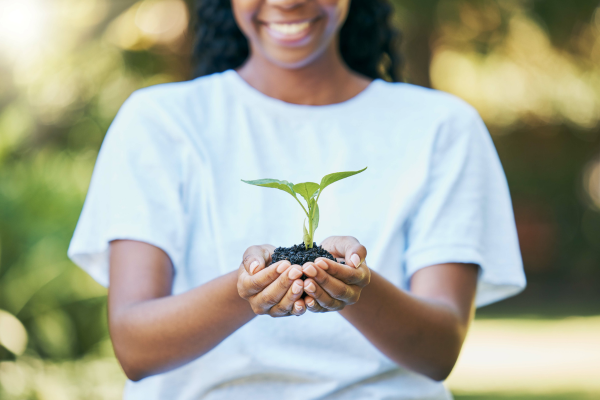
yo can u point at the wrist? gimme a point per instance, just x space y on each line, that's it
237 300
365 302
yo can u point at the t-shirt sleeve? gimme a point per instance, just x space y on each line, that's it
465 214
135 190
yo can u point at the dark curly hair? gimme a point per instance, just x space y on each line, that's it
369 43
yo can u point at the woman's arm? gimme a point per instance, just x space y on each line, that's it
422 330
153 331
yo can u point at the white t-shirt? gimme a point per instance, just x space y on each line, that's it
169 172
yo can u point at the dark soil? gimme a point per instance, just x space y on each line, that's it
298 254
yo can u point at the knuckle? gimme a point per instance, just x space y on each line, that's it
354 279
324 279
364 249
335 306
273 274
355 298
366 278
342 292
265 252
277 311
318 295
352 297
254 285
357 277
268 299
249 251
319 309
291 297
328 303
282 284
257 309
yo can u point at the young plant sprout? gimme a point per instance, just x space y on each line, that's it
311 192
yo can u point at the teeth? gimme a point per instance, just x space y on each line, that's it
289 29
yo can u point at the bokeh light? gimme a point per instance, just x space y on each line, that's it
24 26
149 23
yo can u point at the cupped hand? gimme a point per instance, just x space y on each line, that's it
273 289
331 286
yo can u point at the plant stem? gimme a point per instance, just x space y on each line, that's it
301 205
309 245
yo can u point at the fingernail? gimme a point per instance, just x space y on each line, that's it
294 273
322 264
355 260
310 271
310 287
298 307
310 302
296 288
253 266
282 267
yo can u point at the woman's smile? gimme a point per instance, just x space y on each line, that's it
290 33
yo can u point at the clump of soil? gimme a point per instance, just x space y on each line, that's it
299 254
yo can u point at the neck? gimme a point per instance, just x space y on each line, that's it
326 80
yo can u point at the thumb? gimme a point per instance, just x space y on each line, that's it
348 247
256 258
355 254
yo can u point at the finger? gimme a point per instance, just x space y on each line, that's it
299 307
321 296
333 286
347 247
313 306
286 305
254 284
349 275
273 293
257 257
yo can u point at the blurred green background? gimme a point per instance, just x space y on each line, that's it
531 68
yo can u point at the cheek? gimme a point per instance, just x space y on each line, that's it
337 12
244 12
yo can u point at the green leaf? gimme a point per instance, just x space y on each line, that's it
315 219
336 176
307 190
306 239
274 183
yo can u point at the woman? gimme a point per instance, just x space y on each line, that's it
292 89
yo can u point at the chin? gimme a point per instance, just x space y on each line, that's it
294 61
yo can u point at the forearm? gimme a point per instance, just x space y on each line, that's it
157 335
421 334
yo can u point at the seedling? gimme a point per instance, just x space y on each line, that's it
311 192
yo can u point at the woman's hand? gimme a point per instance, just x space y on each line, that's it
274 289
331 286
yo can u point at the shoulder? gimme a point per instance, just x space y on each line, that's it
441 120
168 111
176 96
434 105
